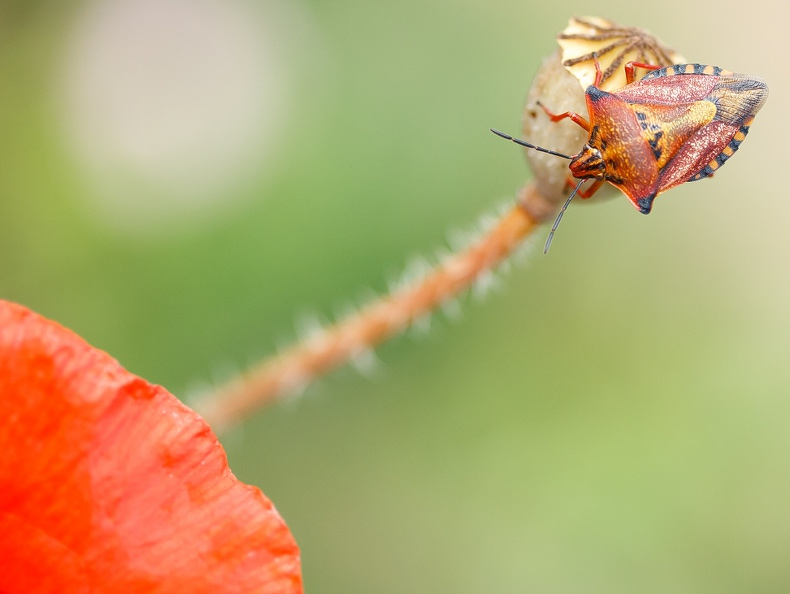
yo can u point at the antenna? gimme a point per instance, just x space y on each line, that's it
559 216
529 145
556 154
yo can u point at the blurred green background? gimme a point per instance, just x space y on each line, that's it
181 180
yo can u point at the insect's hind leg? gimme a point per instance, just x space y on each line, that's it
630 70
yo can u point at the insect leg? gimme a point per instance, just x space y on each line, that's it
598 71
630 70
573 116
594 187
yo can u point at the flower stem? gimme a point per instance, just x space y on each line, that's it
383 318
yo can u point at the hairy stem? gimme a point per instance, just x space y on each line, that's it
373 324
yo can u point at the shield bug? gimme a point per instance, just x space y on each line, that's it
677 124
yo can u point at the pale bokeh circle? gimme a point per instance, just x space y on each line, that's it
173 105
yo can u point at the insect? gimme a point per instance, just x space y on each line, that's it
677 124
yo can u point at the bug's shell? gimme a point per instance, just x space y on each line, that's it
677 124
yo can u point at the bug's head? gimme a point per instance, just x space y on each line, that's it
588 164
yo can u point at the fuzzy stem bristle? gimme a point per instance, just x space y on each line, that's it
373 324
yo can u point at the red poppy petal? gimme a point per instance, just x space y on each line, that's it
110 484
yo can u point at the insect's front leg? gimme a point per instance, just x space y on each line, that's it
571 115
594 187
571 182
